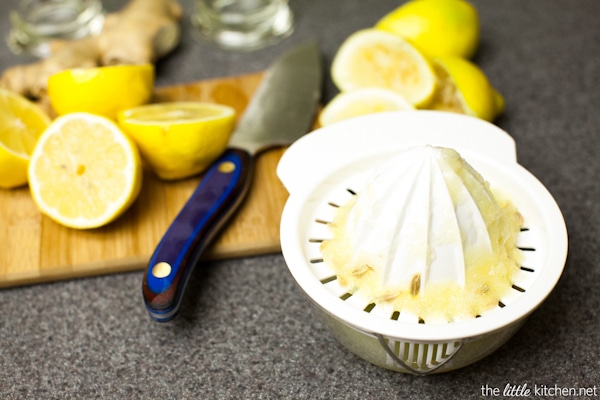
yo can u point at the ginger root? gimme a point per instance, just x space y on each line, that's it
142 32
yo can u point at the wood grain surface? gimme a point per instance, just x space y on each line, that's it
35 249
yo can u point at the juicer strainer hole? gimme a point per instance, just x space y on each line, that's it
346 296
316 260
527 269
501 304
312 240
369 307
333 204
352 192
322 221
526 248
395 315
325 281
518 289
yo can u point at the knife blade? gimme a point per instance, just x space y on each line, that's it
281 110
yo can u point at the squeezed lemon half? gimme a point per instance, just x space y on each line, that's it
84 171
179 139
21 123
362 102
373 58
101 90
465 89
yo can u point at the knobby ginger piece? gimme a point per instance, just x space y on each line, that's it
140 33
31 80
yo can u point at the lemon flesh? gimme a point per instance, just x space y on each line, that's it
84 171
373 58
465 89
436 27
21 123
179 139
101 90
362 102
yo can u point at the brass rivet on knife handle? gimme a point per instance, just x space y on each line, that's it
226 167
161 270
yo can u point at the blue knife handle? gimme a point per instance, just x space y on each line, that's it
218 195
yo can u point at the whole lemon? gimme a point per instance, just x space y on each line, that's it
436 27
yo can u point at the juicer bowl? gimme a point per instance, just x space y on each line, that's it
325 168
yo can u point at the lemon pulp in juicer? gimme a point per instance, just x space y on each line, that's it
427 236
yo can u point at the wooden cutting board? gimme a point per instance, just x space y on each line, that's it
35 249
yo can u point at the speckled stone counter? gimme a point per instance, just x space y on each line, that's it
246 330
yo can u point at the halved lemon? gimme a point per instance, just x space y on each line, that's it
465 89
361 102
84 171
179 139
436 27
21 123
101 90
373 58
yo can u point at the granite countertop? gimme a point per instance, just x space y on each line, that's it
246 330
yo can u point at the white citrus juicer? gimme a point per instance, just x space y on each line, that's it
327 167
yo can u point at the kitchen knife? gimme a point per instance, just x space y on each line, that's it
282 109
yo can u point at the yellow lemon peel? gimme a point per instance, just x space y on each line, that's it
21 123
179 139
